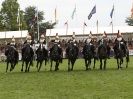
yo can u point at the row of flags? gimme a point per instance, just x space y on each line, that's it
93 11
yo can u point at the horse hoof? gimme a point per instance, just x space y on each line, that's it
21 70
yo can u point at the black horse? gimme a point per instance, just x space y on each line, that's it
55 55
120 52
71 54
12 57
27 57
89 54
102 53
42 54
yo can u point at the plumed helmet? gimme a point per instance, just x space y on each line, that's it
73 36
28 37
42 36
13 39
119 34
90 35
104 35
57 37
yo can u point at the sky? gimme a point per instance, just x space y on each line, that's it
83 8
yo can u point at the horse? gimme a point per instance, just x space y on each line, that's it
120 52
12 57
89 54
55 55
27 57
42 54
72 55
102 53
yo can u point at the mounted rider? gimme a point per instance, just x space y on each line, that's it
105 41
120 39
42 41
13 43
89 38
57 41
73 39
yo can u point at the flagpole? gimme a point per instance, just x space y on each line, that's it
19 18
66 27
112 28
83 27
97 26
37 25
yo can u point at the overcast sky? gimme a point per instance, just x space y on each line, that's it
83 8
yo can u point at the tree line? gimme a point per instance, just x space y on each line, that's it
10 14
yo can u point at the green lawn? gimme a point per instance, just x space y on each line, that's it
78 84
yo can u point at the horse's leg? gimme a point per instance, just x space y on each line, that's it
68 64
121 62
26 64
89 63
94 63
101 64
72 62
40 66
11 68
51 65
86 64
127 60
118 63
22 66
29 66
7 66
56 66
105 60
37 64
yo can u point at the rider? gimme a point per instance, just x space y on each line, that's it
89 38
105 41
122 41
13 44
57 41
73 39
42 40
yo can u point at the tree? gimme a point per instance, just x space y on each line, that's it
31 21
9 14
129 21
46 25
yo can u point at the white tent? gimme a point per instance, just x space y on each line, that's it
79 31
16 34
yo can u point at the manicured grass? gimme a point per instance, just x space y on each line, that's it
78 84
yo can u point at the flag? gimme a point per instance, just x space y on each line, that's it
73 13
85 24
112 11
18 15
55 14
66 23
110 23
93 11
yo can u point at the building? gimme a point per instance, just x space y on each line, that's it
127 32
18 35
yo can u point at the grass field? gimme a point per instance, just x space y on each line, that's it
78 84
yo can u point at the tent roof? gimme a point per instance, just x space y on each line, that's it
79 31
16 34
